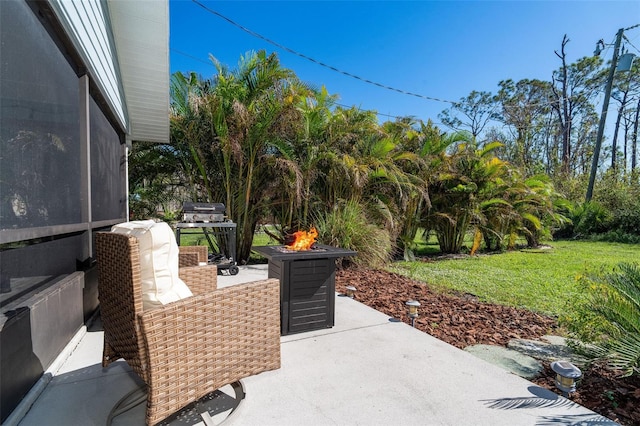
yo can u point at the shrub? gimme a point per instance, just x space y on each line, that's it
613 214
617 236
609 316
627 219
590 218
347 226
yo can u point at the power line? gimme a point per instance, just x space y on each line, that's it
195 58
285 48
630 44
294 52
397 117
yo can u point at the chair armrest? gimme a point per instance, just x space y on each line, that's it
186 255
201 343
200 279
187 259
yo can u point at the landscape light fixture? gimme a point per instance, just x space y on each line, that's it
566 376
351 291
413 306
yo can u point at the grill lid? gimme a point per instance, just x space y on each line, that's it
208 208
203 212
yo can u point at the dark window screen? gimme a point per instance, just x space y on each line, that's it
35 266
40 155
39 125
107 168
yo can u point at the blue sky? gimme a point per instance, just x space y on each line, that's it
438 49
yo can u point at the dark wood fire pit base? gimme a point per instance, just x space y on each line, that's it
307 285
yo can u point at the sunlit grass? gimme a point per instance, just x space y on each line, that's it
198 239
540 280
260 238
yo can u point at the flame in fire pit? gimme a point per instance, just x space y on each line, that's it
303 240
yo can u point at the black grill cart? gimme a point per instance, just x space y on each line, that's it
221 237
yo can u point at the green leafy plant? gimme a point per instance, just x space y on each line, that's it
609 317
626 219
611 396
347 226
590 218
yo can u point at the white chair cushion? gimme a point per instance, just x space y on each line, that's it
158 262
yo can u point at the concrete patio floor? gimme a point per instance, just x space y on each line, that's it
367 370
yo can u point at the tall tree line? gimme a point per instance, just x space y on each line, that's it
551 126
278 151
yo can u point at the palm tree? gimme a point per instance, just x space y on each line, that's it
516 207
430 145
336 180
311 145
232 127
538 206
460 186
378 180
192 135
252 110
620 306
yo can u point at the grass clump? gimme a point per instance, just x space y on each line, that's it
347 226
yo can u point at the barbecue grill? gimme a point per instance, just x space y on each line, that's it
203 212
209 219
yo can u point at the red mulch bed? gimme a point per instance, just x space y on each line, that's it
461 320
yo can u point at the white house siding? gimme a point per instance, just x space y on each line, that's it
141 34
125 44
86 23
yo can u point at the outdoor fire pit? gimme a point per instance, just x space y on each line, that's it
307 285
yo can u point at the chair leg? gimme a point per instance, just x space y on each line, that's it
214 409
139 395
238 389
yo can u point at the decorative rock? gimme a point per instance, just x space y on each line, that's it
540 350
554 340
513 361
549 348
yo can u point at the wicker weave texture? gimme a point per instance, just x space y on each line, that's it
189 253
211 340
200 279
120 300
191 347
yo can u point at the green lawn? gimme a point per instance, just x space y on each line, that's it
259 239
540 280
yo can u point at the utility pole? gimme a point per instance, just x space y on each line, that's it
603 116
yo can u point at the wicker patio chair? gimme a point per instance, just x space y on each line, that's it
192 255
191 347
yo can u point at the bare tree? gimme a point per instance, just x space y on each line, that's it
563 105
634 139
627 87
573 86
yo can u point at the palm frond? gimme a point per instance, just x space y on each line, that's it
624 354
